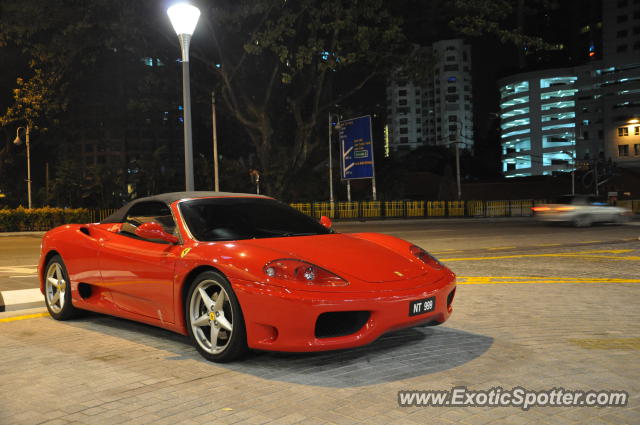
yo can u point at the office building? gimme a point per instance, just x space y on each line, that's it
438 110
554 119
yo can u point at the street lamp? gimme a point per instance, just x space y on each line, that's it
184 18
18 141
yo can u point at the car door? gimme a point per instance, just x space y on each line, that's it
139 272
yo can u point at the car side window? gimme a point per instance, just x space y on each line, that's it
146 212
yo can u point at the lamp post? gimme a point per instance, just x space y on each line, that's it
330 164
573 170
216 176
458 141
18 141
184 18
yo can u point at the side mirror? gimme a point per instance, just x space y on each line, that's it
153 230
325 221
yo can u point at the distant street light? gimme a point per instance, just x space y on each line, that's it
184 18
18 141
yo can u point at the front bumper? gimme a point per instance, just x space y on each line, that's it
280 319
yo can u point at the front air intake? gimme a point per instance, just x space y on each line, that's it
340 323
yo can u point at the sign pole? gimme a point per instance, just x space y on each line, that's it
373 167
330 165
349 190
373 187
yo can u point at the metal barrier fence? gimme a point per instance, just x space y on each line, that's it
412 209
99 215
631 204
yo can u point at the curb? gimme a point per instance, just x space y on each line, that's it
21 299
38 234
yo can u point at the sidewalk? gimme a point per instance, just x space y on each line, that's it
34 234
21 299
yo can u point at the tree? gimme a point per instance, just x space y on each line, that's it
282 65
83 78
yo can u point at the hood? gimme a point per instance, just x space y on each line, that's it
346 256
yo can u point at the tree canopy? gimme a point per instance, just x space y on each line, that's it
278 67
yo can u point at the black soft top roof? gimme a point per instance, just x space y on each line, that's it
169 198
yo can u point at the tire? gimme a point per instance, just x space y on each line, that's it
583 220
57 290
207 322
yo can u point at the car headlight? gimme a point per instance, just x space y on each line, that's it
303 272
425 257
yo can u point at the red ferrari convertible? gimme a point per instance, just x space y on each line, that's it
239 271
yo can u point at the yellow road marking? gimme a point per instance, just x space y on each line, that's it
534 277
492 280
608 343
590 241
582 254
23 317
548 244
501 247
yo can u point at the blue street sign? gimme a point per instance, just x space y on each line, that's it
357 148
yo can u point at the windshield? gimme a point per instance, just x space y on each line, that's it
224 219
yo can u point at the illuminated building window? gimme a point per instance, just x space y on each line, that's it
557 158
557 81
519 145
558 94
558 116
558 105
623 131
514 112
557 126
515 123
516 163
514 133
623 150
636 148
510 89
514 101
558 140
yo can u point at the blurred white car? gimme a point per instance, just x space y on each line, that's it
581 211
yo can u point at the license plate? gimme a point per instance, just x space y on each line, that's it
422 306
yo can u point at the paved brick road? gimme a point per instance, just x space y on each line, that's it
579 331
